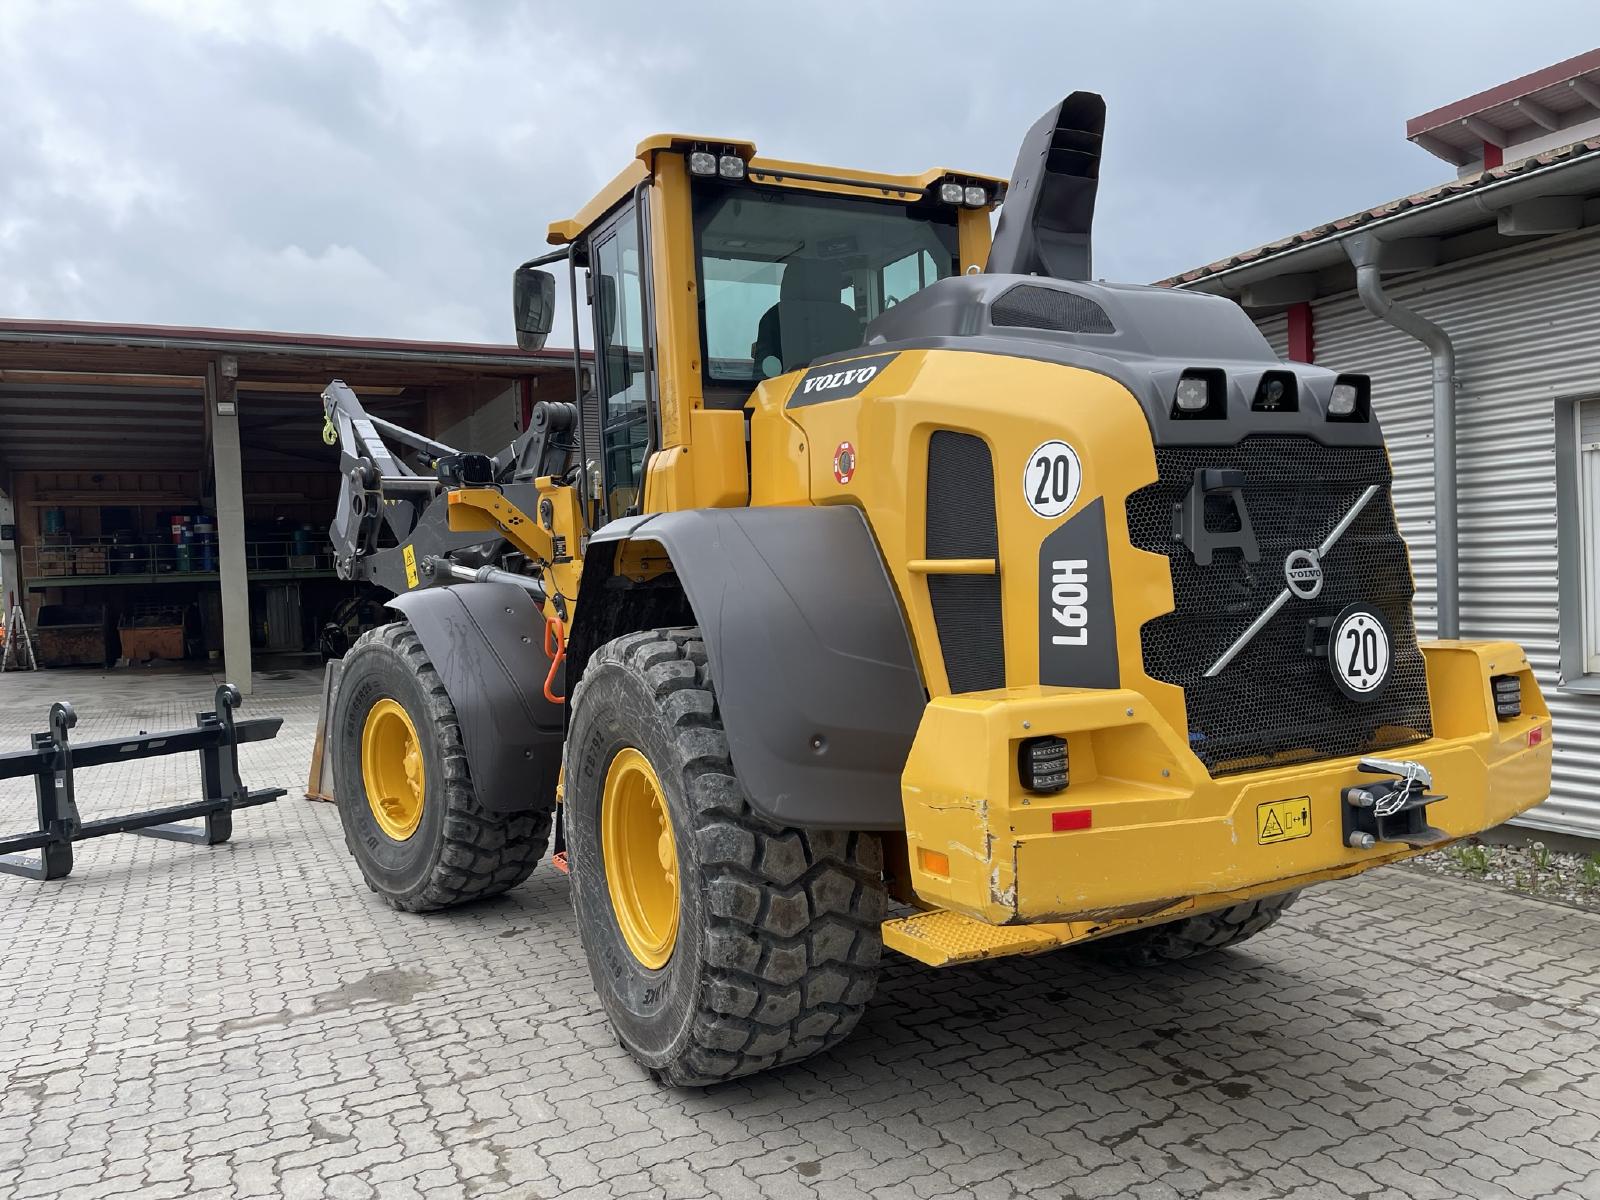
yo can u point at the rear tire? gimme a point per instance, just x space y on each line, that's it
777 939
1192 937
459 850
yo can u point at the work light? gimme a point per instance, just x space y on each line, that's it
1351 399
1193 394
702 162
952 193
975 197
730 166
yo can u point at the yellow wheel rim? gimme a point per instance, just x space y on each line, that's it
392 769
641 858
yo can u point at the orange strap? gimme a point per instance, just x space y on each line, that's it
555 645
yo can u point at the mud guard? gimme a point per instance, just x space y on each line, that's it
816 680
486 641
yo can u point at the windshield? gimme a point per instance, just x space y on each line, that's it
787 277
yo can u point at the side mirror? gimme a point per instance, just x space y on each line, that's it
533 306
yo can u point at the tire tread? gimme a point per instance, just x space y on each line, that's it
793 940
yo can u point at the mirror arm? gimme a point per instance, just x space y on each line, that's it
577 384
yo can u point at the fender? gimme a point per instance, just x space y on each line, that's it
816 681
486 641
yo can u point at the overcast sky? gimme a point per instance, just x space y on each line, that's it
379 168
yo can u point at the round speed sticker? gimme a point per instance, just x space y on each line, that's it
1052 478
1358 652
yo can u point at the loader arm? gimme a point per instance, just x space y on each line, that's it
463 514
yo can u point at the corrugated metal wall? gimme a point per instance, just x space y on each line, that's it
1276 330
1526 325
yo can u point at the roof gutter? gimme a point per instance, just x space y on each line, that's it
1366 255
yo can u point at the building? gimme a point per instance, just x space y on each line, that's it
1499 268
167 491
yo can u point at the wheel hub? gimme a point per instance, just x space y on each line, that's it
641 858
392 769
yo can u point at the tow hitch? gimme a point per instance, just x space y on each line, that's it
1393 810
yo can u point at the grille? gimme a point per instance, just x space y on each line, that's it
961 524
1032 307
1275 703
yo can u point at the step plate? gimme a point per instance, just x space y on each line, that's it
943 939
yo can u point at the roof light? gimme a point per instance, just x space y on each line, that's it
951 192
975 197
730 166
702 162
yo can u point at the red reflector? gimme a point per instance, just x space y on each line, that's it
1073 818
1536 735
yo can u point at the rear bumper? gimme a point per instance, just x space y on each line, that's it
1161 836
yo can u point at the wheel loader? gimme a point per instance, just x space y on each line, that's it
894 586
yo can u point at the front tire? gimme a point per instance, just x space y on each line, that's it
411 817
772 951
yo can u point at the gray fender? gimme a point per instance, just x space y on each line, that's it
816 681
486 640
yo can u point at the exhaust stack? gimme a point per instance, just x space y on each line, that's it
1048 215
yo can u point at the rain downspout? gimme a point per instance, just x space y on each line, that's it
1366 253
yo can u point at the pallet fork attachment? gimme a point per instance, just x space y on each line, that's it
52 760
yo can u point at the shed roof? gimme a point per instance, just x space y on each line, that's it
1531 106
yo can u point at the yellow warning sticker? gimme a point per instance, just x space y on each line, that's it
409 553
1283 820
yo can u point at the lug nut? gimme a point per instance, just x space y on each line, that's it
1362 841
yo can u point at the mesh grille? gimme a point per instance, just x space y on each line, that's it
1275 703
961 524
1032 307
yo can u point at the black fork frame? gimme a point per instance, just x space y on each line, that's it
52 760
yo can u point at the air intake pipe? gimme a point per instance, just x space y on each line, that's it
1048 215
1366 254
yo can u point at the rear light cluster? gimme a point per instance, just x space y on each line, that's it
1042 764
1507 690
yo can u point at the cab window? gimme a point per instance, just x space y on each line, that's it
789 276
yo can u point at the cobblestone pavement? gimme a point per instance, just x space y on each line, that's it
247 1020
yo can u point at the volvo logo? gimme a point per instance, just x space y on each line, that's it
1303 570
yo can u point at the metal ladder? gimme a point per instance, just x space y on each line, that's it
17 630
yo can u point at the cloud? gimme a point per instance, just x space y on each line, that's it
379 168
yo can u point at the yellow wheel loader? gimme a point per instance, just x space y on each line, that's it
894 585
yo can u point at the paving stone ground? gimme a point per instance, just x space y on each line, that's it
247 1020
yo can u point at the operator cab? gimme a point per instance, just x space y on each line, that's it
710 269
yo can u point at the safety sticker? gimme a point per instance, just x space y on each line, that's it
1283 820
409 554
844 463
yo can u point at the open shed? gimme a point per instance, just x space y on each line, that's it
161 479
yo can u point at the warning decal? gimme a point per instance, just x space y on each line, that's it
1283 820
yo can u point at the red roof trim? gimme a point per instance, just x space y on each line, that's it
289 341
1580 64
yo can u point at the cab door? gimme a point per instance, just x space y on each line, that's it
624 362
